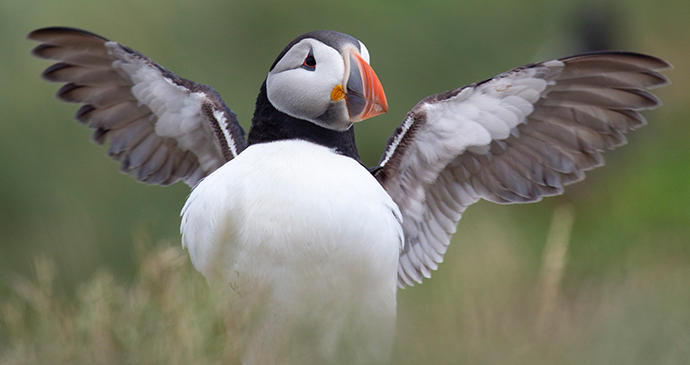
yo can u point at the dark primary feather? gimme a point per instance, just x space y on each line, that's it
152 153
584 106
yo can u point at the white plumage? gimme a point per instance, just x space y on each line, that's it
314 233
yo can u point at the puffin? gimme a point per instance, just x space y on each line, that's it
306 244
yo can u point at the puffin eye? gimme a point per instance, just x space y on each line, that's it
309 62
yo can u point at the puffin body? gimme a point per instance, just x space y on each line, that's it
309 240
306 243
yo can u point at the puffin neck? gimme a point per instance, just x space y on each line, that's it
269 125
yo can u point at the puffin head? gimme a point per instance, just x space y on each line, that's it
324 77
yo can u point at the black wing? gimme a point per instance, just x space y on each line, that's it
161 127
515 138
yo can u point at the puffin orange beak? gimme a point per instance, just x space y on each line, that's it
364 95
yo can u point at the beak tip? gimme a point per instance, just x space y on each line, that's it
383 108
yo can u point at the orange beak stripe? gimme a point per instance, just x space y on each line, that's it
364 86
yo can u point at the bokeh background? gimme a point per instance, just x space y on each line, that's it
611 286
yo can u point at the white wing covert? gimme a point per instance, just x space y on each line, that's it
515 138
161 127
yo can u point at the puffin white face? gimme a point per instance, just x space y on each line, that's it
331 88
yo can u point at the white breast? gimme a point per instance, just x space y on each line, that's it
308 242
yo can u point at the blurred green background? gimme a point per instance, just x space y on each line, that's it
623 293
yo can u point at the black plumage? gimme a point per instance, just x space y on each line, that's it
269 124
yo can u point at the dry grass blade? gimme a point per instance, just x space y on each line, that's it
166 316
554 260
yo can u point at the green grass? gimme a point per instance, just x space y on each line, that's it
167 315
494 309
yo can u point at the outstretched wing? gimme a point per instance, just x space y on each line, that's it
161 127
514 138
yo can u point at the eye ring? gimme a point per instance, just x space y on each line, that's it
309 62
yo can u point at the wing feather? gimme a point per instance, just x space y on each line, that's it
100 96
515 138
64 72
161 127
